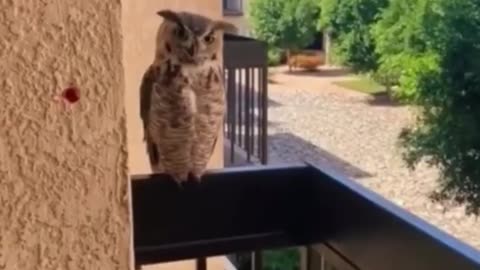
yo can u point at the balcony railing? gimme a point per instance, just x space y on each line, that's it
246 75
253 208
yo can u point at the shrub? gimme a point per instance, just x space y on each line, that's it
400 39
400 28
274 259
274 56
349 22
447 87
282 259
288 24
388 72
402 72
414 68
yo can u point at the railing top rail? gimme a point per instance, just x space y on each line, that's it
261 207
233 37
243 52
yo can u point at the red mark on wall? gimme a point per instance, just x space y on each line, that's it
71 94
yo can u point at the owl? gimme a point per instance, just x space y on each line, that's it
182 95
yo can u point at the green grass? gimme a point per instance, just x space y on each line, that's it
281 259
274 259
362 84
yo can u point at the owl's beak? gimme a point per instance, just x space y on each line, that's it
191 51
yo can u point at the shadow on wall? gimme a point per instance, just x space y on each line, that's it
289 148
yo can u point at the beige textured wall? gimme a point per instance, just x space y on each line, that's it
63 176
241 21
140 23
242 24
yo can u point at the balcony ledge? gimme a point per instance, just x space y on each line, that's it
251 208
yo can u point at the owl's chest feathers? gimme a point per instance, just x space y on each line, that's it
194 85
201 77
191 73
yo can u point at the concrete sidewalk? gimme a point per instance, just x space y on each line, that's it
214 263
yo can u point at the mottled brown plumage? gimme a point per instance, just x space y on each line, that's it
182 99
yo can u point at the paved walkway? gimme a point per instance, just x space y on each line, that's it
214 263
312 119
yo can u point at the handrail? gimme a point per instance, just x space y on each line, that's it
250 208
246 83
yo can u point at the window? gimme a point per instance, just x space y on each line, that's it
232 7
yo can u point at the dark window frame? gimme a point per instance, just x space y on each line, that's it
229 11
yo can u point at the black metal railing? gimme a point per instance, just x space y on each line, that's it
246 80
252 208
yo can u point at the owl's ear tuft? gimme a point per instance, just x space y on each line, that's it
170 15
225 26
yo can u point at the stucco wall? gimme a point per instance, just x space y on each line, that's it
140 23
63 175
241 21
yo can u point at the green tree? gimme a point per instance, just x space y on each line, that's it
447 85
349 22
288 24
400 39
399 27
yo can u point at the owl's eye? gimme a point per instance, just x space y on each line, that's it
209 38
180 33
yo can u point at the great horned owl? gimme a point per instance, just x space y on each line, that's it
182 99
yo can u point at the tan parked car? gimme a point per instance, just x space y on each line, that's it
309 60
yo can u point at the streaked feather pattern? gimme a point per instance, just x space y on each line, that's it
182 92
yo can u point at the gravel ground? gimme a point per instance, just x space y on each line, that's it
312 119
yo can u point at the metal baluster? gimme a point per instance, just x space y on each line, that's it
259 113
252 110
257 263
227 100
264 110
201 263
246 111
239 107
231 112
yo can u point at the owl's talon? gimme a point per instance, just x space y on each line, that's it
180 184
194 178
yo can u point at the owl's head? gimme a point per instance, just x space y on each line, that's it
192 38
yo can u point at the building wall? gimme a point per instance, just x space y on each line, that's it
242 24
140 23
241 20
63 174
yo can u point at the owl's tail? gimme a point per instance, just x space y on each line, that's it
153 156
